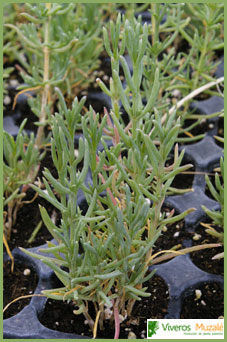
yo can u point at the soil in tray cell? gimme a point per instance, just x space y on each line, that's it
154 306
21 282
206 301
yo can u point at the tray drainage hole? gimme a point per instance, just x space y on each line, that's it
206 301
21 282
154 306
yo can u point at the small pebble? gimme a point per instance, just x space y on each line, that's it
176 93
148 201
203 303
132 335
76 153
105 78
7 100
122 78
211 125
108 313
176 234
164 229
57 323
27 272
121 318
14 83
196 237
177 226
198 294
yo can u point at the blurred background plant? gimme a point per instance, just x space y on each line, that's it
60 45
185 40
20 166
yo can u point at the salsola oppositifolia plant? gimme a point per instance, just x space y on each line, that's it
103 256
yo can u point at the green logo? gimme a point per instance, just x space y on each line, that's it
153 326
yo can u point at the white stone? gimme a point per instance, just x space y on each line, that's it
132 335
108 313
7 100
27 272
14 83
198 294
196 237
105 78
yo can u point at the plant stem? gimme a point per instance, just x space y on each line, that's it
130 305
45 94
8 252
201 59
154 23
116 319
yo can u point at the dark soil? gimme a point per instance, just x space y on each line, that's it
203 258
201 128
183 180
47 162
17 284
173 235
28 218
147 308
209 305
